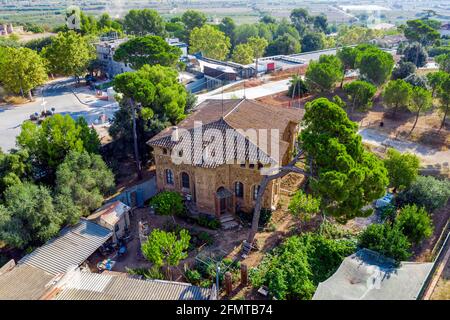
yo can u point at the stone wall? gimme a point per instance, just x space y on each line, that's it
205 182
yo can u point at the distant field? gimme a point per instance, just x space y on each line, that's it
50 12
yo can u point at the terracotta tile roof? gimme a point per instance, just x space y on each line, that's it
233 115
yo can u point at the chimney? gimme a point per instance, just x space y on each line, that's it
175 134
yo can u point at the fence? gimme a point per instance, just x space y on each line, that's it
137 195
428 287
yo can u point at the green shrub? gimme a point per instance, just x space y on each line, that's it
437 51
206 283
168 203
193 276
387 240
293 270
206 238
152 273
415 223
207 222
427 192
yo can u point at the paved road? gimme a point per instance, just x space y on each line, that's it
58 95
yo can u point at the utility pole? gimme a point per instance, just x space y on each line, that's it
136 150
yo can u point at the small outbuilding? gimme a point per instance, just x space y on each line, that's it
114 216
367 275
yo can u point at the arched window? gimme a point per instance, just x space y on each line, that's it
239 189
185 183
255 192
169 176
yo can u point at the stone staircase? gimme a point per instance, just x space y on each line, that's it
228 221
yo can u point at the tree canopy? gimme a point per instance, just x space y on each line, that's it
147 50
312 42
416 54
421 101
415 223
386 239
403 169
69 54
243 54
21 70
375 65
157 89
322 76
403 70
426 191
360 94
143 22
418 31
345 176
49 143
397 94
28 216
166 248
211 42
85 179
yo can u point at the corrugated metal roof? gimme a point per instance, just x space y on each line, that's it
24 282
72 247
94 286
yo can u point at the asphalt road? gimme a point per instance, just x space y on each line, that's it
58 94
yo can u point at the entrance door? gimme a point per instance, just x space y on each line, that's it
223 205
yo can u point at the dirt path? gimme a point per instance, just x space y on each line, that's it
428 155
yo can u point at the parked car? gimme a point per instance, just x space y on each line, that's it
385 201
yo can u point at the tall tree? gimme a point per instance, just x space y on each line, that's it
152 90
301 20
320 23
344 175
166 248
444 62
147 50
69 54
49 143
347 55
29 217
85 179
403 70
403 168
243 54
396 94
192 19
211 42
444 98
312 42
258 46
143 22
421 101
360 94
416 54
418 31
435 80
228 26
285 44
21 70
375 65
322 76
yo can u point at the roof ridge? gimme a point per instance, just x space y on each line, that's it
234 108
